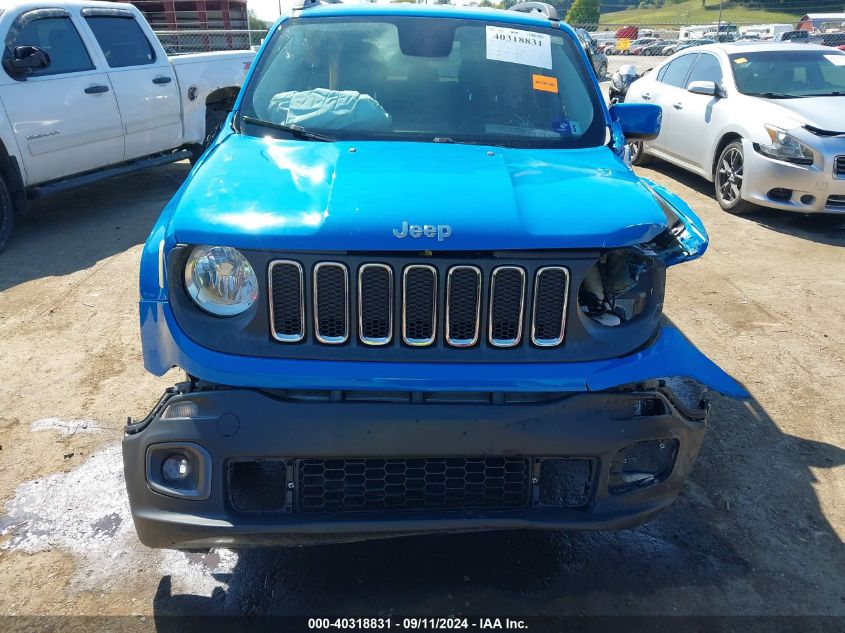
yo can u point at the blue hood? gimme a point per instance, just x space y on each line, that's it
275 194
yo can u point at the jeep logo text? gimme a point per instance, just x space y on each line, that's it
440 231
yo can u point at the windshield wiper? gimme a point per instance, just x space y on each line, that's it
773 95
834 93
294 130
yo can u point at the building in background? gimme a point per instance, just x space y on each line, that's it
188 26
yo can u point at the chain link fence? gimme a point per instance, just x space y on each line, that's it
183 41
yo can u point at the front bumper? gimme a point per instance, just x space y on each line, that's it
231 425
763 174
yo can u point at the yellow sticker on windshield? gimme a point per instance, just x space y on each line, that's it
740 60
546 84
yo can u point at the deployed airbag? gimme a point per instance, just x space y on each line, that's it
328 110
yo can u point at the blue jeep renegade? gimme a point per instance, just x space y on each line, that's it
416 288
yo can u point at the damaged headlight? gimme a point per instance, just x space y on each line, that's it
785 147
220 280
617 288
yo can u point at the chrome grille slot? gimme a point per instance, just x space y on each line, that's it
839 167
355 303
331 303
551 294
375 304
419 305
287 304
507 303
463 305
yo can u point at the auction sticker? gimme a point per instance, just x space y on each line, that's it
519 47
546 84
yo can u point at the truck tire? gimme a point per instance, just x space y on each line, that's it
215 117
7 214
728 178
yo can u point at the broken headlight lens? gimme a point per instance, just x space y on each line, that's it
786 147
617 288
220 280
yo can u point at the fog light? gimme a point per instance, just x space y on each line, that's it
808 199
176 468
642 465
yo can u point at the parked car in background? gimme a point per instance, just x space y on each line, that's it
88 92
656 48
684 44
793 36
598 59
836 40
763 122
636 45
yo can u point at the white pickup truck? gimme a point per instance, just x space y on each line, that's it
88 92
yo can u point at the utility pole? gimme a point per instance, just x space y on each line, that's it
719 26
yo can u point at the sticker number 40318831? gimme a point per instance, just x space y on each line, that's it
519 47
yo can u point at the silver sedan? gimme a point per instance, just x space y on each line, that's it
762 121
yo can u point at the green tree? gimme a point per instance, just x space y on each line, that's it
583 13
256 23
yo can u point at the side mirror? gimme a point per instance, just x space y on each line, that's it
708 88
639 121
27 59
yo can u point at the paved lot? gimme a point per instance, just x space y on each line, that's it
758 529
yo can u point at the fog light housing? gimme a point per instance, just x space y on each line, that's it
179 469
642 465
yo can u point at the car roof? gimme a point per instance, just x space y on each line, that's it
435 11
731 48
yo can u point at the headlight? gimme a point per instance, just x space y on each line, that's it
220 280
786 147
617 288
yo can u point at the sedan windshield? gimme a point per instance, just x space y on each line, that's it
424 79
790 74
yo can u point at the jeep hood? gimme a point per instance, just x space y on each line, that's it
272 194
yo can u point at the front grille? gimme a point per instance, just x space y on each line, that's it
507 299
839 166
331 301
420 305
372 484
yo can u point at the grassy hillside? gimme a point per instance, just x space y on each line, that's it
693 13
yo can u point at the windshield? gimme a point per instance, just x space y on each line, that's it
785 74
425 79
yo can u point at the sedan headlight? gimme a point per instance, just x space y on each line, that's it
786 147
220 280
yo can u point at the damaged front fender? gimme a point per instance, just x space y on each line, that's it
685 237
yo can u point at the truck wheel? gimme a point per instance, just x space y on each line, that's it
729 176
215 117
638 155
7 214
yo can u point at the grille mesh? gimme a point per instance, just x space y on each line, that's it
508 291
375 301
550 305
367 484
420 296
464 294
330 299
288 322
839 166
513 298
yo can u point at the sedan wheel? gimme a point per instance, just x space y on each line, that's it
638 155
730 174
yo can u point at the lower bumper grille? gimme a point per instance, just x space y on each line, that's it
837 203
344 485
371 484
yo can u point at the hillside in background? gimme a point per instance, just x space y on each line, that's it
692 12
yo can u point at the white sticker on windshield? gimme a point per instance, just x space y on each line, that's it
519 47
836 60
